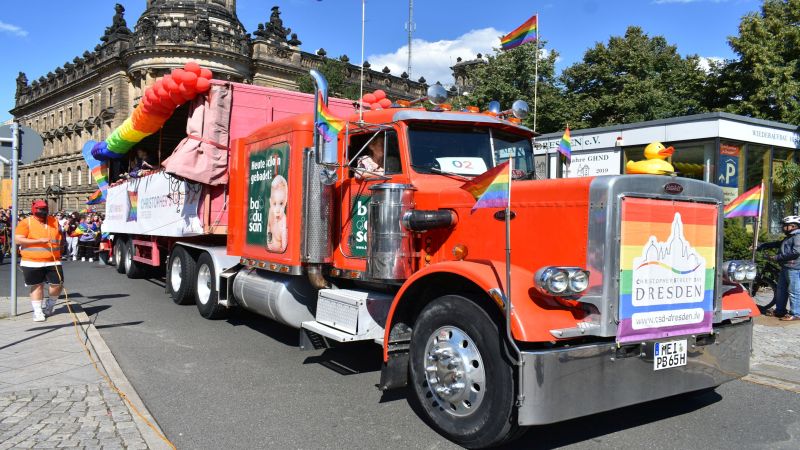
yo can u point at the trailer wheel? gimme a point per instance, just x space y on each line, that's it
206 295
462 382
119 255
182 274
133 269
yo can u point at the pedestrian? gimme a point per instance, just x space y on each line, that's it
39 237
86 240
788 256
72 236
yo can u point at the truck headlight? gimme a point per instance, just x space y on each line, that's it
561 281
738 271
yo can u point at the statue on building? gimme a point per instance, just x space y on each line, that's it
22 85
293 41
274 28
118 24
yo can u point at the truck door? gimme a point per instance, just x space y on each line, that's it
366 168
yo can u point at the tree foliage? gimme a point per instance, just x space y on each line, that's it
511 75
633 78
764 81
336 72
788 179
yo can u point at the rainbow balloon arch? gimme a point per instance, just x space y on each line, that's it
155 107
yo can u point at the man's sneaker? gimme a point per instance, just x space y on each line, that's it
91 259
83 258
49 306
38 316
74 258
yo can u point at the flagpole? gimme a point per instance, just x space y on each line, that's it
536 76
758 220
361 82
508 241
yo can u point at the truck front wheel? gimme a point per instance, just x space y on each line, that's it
462 382
182 274
119 255
206 287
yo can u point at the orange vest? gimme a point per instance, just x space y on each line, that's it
40 253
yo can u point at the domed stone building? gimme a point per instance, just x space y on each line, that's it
86 98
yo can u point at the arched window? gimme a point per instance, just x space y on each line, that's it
43 180
29 182
60 178
52 178
80 176
69 176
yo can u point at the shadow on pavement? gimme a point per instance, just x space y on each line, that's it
115 325
284 334
576 430
47 329
361 357
93 310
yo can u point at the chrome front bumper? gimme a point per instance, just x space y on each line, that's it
578 381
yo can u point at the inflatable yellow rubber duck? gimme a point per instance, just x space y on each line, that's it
655 164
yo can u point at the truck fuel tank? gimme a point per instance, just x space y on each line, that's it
288 299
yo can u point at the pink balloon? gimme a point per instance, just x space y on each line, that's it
162 92
167 103
169 84
369 98
379 94
177 98
151 95
192 67
189 79
157 85
203 85
205 73
376 106
385 102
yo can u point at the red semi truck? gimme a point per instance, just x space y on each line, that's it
618 293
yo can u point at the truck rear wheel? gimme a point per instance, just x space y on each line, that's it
206 290
461 380
119 255
182 275
133 269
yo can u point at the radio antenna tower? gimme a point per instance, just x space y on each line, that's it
410 26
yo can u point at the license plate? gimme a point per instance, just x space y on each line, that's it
669 354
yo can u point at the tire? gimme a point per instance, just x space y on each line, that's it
181 277
481 411
759 284
206 295
133 269
119 255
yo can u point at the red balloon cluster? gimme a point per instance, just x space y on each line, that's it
170 91
376 100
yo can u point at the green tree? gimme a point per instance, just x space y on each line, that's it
511 75
788 179
631 79
765 81
337 74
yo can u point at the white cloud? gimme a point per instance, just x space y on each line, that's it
433 60
705 62
12 29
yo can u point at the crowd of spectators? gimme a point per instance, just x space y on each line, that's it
83 232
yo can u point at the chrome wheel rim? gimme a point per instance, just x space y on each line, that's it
117 252
128 259
454 371
204 284
175 274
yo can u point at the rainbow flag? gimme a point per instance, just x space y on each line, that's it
95 198
745 205
527 32
490 188
133 211
565 146
328 125
668 255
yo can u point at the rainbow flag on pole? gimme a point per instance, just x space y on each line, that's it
565 146
746 205
328 125
527 32
491 188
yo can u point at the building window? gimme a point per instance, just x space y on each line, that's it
70 114
69 177
60 178
29 182
91 106
44 183
80 176
52 178
110 96
80 111
778 208
61 118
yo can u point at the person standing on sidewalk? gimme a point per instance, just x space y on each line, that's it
40 238
788 256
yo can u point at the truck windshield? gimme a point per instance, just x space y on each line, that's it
467 150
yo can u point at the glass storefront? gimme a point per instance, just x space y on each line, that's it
690 159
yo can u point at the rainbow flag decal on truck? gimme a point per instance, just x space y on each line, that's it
667 262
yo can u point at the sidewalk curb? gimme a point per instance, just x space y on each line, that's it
114 371
766 380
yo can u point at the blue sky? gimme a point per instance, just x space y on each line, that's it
38 36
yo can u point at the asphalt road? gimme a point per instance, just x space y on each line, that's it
242 383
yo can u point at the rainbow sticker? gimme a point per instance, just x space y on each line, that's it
667 263
133 211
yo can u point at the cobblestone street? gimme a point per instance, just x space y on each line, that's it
88 416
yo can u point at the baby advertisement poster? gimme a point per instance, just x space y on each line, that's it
267 197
